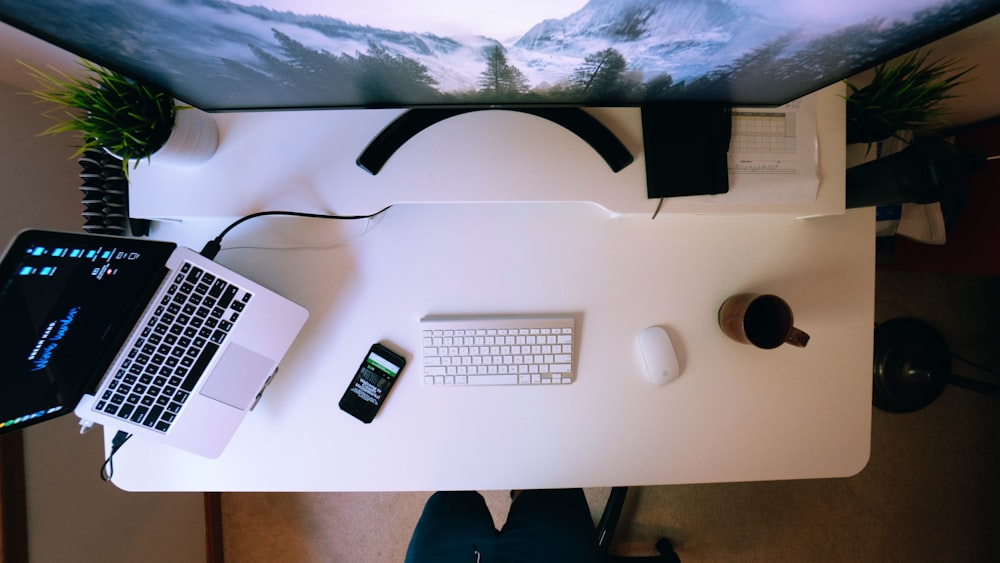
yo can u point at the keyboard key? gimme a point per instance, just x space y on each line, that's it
178 342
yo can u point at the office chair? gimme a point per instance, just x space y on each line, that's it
606 529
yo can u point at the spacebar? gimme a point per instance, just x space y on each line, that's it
199 366
510 379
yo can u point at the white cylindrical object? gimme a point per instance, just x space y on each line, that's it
194 139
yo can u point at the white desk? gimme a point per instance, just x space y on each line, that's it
735 414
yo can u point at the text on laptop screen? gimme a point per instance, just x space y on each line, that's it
67 301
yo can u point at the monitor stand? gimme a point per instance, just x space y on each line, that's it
413 121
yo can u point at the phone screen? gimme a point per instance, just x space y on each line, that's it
372 382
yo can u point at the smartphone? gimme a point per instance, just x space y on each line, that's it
371 384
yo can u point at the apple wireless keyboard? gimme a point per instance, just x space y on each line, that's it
498 350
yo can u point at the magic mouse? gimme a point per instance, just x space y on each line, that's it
658 356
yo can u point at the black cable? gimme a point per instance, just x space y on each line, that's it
981 367
657 211
108 468
213 246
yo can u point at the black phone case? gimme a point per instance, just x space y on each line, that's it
359 408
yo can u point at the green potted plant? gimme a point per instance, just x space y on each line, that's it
904 95
905 100
131 120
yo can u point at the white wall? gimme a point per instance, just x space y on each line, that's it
18 46
72 514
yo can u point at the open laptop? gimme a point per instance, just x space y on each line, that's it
136 335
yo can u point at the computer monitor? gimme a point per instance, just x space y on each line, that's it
271 54
685 62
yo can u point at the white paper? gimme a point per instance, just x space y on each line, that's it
773 155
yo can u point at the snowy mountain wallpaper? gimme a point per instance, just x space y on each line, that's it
247 54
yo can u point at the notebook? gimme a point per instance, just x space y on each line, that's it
136 335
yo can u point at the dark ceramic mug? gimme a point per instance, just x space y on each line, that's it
762 320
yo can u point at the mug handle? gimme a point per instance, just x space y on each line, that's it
797 338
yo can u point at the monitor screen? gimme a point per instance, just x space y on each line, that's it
269 54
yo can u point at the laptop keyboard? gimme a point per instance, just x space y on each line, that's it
161 369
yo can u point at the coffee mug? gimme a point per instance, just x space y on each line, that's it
762 320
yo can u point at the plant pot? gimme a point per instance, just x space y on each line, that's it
193 140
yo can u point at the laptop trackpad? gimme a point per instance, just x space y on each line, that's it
238 377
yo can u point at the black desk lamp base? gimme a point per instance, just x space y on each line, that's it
912 365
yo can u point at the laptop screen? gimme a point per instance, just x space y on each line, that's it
67 302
